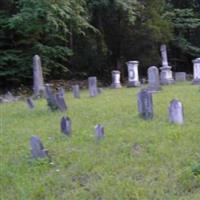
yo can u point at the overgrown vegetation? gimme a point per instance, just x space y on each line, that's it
77 38
137 159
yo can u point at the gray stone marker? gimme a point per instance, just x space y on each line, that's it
38 83
65 126
133 76
61 91
99 131
145 104
166 73
196 71
60 102
116 79
92 85
100 90
180 76
153 79
37 148
176 114
76 91
30 103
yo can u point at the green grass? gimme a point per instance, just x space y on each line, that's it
137 159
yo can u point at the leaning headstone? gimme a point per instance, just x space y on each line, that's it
76 91
153 79
92 85
180 76
60 101
99 131
30 103
116 79
50 97
145 104
65 126
133 76
37 148
38 83
166 73
176 114
196 71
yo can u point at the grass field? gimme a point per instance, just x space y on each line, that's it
137 159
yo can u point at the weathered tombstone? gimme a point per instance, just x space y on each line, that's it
145 104
99 131
180 76
76 91
133 76
99 90
30 103
196 71
37 148
92 85
60 102
176 115
65 126
116 79
166 73
61 91
38 83
51 99
153 79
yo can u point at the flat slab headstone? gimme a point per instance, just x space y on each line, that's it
38 82
30 103
76 91
65 126
92 85
145 104
133 76
196 71
60 102
37 148
153 79
180 76
99 131
176 114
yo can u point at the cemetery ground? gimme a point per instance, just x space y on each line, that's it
136 160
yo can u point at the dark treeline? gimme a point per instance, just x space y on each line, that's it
79 38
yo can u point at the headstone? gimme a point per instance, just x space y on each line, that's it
92 85
153 79
176 115
99 131
99 90
145 104
61 91
166 73
30 103
196 71
38 83
60 102
50 97
116 79
133 77
37 148
180 76
65 125
76 91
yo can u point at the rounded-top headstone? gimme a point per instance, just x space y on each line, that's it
153 79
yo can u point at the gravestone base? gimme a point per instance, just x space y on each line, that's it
133 84
196 81
166 76
116 85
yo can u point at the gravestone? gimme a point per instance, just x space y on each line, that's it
133 77
99 90
61 91
116 79
99 131
176 115
196 71
180 76
60 102
30 103
65 126
76 91
37 148
92 85
166 73
50 97
145 104
38 83
153 79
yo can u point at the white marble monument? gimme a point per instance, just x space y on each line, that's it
116 79
133 76
196 71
